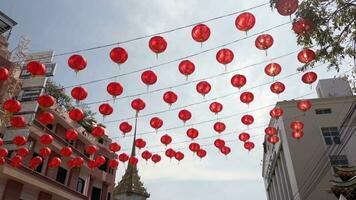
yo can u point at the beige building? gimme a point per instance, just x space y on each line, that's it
305 169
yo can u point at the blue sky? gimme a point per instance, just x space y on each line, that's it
67 25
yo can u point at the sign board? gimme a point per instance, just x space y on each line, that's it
50 70
30 94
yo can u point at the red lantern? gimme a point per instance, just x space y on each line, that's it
166 139
225 150
245 21
218 143
2 161
148 77
186 67
146 155
140 143
114 147
79 93
297 125
100 160
125 127
271 131
18 121
170 97
46 118
201 33
123 157
297 134
71 135
277 87
286 7
179 156
203 88
113 163
118 55
170 153
306 56
276 113
304 105
46 101
11 106
273 69
105 109
249 145
91 164
157 44
247 119
19 140
244 137
133 160
224 56
78 161
16 161
76 114
138 104
98 131
91 149
273 139
184 115
246 97
45 151
23 151
201 153
77 62
66 151
192 133
3 152
54 162
216 107
302 27
194 147
46 139
4 74
156 123
156 158
238 81
219 127
114 89
36 68
1 142
264 41
309 77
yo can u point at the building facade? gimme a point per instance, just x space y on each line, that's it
303 169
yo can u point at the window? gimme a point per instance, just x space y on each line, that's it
331 135
338 160
322 111
80 185
109 196
61 175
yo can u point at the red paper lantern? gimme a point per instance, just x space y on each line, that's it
225 150
170 153
35 162
247 119
91 164
78 161
54 162
76 114
166 139
297 134
114 147
219 127
203 88
91 149
125 127
273 139
71 135
309 77
297 125
140 143
18 121
46 118
186 67
216 107
246 97
184 115
245 21
201 33
11 105
46 139
238 81
192 133
149 77
244 136
133 160
16 161
271 131
306 56
79 93
2 161
157 44
114 89
179 156
45 151
46 101
4 74
19 140
1 142
218 143
286 7
276 113
113 163
138 104
194 147
98 131
66 151
156 158
277 87
118 55
36 68
156 123
123 157
77 62
264 41
23 151
273 69
105 109
100 160
302 26
201 153
3 152
304 105
224 56
170 97
249 145
146 155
